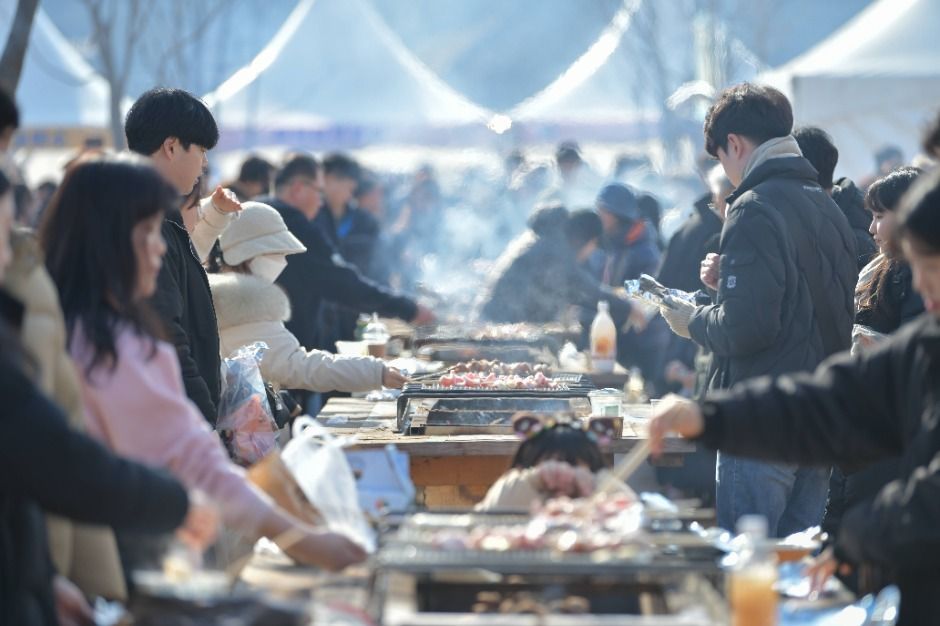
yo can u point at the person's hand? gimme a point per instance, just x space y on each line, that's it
709 271
329 550
423 317
674 415
560 478
822 568
678 315
70 605
201 525
225 201
393 379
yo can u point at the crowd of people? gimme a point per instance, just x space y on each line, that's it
126 285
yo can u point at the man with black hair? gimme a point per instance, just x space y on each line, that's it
576 183
352 231
818 148
254 178
539 275
176 129
785 278
321 273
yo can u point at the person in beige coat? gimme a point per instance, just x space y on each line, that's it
251 308
556 458
87 555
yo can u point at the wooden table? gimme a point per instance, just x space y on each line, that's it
456 470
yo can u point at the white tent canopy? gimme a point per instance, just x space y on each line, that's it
57 87
876 81
336 63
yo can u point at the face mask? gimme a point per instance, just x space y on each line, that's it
268 267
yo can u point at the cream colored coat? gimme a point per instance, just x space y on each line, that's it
250 309
521 489
85 554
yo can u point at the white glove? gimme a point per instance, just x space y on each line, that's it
677 314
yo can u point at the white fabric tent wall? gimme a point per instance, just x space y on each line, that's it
336 63
874 82
57 87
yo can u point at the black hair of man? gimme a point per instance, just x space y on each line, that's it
756 112
255 169
162 113
9 113
297 164
583 226
818 148
339 165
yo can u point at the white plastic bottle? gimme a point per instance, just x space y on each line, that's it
753 576
603 340
376 337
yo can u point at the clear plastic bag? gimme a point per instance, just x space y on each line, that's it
246 424
318 463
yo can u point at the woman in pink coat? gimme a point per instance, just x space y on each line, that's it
104 249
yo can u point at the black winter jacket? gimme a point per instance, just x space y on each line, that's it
787 278
321 274
538 277
184 302
688 247
855 411
851 200
847 488
45 465
356 237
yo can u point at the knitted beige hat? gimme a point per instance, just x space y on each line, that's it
258 230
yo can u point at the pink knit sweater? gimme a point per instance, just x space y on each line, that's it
140 410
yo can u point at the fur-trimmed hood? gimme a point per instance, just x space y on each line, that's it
245 299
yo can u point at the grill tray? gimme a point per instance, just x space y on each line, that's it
571 386
419 559
406 549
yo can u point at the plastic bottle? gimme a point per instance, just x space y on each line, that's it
753 576
376 337
603 340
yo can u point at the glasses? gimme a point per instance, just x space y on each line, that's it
600 430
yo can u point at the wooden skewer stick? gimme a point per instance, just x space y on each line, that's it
626 467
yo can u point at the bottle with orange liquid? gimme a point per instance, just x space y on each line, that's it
753 576
603 340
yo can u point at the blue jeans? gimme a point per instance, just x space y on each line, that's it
791 498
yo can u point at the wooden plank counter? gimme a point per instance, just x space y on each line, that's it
456 470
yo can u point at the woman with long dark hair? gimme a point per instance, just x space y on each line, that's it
858 410
45 466
885 297
104 249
